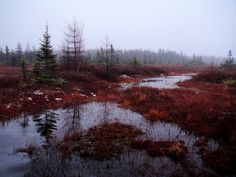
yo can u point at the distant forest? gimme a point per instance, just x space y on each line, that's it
12 57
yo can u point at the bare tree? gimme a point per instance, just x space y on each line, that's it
107 55
66 57
74 45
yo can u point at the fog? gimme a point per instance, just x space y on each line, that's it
203 27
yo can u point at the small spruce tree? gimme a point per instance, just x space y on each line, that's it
45 65
24 68
229 62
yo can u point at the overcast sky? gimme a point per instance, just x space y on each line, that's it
205 27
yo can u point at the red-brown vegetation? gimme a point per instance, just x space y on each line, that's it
174 150
222 160
205 105
100 142
147 101
90 83
215 76
28 149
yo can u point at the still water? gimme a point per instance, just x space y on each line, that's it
38 129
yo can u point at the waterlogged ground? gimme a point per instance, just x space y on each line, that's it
45 129
163 82
84 117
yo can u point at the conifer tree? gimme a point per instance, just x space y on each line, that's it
19 54
229 62
45 65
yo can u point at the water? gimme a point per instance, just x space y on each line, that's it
14 135
163 82
38 129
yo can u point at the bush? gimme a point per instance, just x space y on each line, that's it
57 81
54 81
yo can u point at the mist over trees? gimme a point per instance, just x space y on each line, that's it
162 57
67 56
73 54
13 57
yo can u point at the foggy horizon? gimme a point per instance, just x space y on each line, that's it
201 27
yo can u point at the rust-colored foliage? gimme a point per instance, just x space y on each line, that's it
215 76
174 150
147 101
103 141
28 149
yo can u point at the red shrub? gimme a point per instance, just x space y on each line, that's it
215 76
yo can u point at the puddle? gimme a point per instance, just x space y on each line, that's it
39 128
163 82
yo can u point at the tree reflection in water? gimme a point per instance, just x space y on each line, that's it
25 120
73 119
46 123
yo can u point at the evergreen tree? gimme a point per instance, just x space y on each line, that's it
45 64
112 51
134 62
19 54
2 56
7 55
229 62
24 68
13 58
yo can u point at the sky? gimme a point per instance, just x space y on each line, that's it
203 27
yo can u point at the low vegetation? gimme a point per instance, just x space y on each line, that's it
105 141
204 105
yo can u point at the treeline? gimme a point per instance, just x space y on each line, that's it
97 56
73 54
14 57
142 56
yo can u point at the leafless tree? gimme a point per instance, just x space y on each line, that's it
109 55
66 57
74 45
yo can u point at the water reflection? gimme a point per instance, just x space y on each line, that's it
94 114
25 120
55 123
46 123
72 119
163 82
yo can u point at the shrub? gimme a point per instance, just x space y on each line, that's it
215 76
57 81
